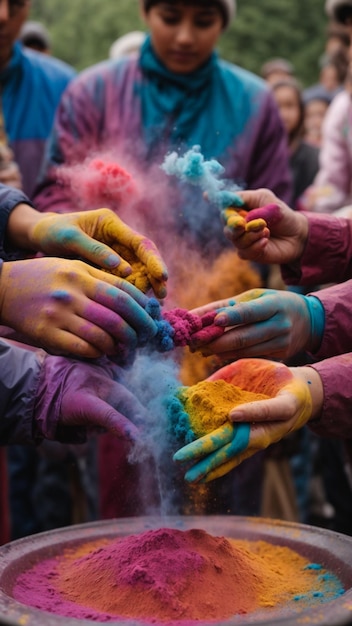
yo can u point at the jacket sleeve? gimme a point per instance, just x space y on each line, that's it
9 199
75 134
328 253
20 374
337 304
336 418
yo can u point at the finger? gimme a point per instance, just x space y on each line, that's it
281 408
205 445
124 401
148 253
82 245
159 287
277 349
220 457
257 198
64 342
93 411
104 329
212 306
270 214
126 307
118 282
250 340
225 468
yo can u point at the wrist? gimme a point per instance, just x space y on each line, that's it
21 223
312 379
302 234
317 322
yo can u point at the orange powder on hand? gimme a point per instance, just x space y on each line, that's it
209 402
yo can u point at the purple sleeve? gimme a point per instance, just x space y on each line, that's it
337 303
74 135
328 253
269 165
336 418
20 374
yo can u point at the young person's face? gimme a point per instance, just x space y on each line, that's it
13 14
289 107
183 36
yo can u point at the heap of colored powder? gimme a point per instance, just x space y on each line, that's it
195 170
204 407
189 328
171 576
178 327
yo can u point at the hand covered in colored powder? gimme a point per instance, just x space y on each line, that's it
264 322
106 241
74 397
69 307
257 424
273 233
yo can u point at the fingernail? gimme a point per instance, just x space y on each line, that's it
236 416
113 260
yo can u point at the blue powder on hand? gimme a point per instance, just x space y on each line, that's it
193 169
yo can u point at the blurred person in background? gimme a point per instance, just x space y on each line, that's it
34 35
304 157
277 69
332 187
127 44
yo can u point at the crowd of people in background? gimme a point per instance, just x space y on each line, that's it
289 143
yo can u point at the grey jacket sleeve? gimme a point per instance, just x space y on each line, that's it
20 375
9 199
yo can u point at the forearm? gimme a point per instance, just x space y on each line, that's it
335 419
20 224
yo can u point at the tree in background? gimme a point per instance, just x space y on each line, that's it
83 30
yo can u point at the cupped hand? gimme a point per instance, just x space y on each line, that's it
270 232
69 307
103 239
254 426
259 322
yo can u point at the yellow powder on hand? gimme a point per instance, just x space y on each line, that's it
209 402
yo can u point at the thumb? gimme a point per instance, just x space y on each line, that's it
277 409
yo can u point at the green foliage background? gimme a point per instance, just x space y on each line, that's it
83 30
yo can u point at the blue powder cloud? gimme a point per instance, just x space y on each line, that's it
193 169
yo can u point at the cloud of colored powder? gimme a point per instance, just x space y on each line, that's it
164 201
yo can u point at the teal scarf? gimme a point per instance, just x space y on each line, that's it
181 110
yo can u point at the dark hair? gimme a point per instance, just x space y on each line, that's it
148 4
343 13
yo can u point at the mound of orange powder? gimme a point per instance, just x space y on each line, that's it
169 575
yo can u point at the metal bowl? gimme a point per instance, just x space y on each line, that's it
332 550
